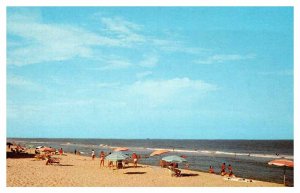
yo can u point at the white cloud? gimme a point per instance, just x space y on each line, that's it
171 45
117 63
50 42
220 58
20 82
113 64
54 42
149 61
40 42
162 91
120 25
143 74
126 32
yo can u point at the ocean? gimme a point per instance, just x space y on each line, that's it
249 158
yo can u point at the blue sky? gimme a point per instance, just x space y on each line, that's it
150 72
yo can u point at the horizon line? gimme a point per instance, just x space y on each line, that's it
142 138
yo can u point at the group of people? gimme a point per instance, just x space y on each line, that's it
102 156
223 170
18 149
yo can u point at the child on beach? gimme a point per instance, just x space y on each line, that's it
93 154
110 164
211 170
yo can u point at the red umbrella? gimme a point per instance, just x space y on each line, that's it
159 152
282 163
121 149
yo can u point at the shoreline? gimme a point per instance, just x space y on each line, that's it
82 171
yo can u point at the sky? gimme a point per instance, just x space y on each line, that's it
150 72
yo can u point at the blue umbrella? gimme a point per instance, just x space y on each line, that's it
116 156
174 159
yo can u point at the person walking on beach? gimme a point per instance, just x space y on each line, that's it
102 156
223 168
93 154
134 157
75 152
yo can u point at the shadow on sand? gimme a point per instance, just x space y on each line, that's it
133 167
19 155
65 165
188 175
134 172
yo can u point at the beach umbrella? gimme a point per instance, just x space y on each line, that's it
282 163
159 152
9 143
121 149
116 156
48 149
174 159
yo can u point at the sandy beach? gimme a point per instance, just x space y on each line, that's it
81 171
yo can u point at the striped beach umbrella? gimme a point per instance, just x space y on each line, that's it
116 156
174 159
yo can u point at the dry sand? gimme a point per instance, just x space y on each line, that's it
80 171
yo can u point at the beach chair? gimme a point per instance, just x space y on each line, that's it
52 161
41 157
164 164
174 171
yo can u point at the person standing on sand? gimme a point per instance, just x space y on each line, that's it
211 170
61 151
229 168
223 168
93 154
230 171
102 157
134 158
75 152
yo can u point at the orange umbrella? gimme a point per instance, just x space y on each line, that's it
121 149
282 163
159 152
48 149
